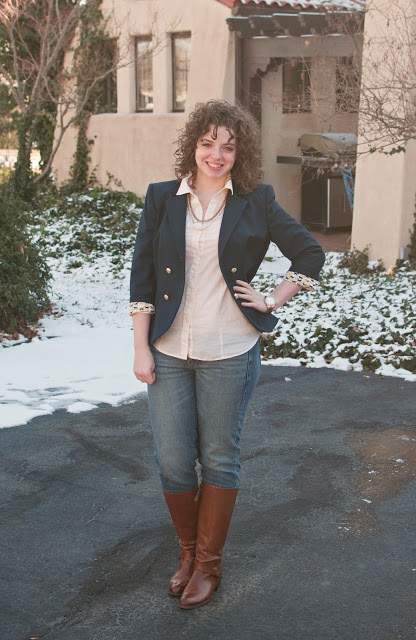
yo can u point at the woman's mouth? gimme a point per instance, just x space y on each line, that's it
214 167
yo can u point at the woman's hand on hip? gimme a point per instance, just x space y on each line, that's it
251 297
144 365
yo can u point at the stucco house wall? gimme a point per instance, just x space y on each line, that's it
137 148
384 204
385 188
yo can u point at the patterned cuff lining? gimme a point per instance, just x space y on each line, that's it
141 307
298 278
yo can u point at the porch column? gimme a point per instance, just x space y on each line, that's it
385 189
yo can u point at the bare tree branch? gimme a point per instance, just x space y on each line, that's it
54 68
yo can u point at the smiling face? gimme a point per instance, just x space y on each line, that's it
215 156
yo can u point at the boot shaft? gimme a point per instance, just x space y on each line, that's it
215 512
183 508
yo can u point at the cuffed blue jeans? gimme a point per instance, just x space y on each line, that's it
197 409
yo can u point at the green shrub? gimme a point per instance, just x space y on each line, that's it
370 361
357 262
85 226
412 245
24 275
410 263
409 364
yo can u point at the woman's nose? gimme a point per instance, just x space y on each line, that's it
216 152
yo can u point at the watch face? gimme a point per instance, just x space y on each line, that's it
270 301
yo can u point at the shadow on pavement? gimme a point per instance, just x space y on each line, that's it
321 546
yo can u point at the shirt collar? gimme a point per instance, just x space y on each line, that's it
186 188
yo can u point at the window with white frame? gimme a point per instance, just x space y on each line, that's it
181 62
144 73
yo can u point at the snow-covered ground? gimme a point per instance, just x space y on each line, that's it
351 323
84 353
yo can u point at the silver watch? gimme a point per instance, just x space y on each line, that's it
270 303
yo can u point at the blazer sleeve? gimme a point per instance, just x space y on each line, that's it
142 277
294 241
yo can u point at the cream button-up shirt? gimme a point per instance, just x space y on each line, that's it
208 325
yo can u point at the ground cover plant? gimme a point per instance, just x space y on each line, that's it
353 322
83 227
360 318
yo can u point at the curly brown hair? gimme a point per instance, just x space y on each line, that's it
246 172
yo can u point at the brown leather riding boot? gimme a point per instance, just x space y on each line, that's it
183 508
215 510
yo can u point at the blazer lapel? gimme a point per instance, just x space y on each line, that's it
176 214
232 213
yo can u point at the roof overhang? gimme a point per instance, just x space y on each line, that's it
241 6
297 24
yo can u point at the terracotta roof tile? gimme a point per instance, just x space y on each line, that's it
317 5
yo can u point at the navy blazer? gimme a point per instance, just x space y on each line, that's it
249 224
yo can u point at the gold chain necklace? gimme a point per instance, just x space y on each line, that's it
205 220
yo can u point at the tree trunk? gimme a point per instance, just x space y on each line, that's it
22 177
79 168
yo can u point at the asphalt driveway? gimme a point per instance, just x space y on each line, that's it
322 545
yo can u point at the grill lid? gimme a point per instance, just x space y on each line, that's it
328 144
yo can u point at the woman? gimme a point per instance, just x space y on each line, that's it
197 323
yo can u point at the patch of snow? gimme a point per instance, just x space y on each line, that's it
283 362
342 364
84 353
78 407
12 414
83 356
274 262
